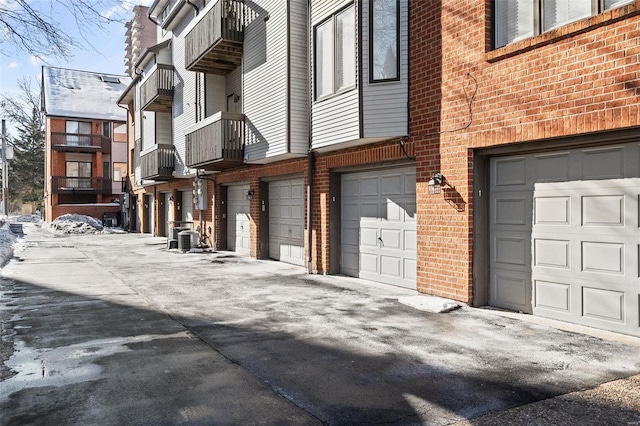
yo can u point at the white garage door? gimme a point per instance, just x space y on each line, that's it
379 226
286 221
564 236
238 224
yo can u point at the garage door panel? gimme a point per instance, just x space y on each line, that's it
369 262
552 210
511 249
386 225
510 290
286 227
603 258
603 210
369 237
552 167
603 163
600 304
510 211
552 295
369 186
391 266
391 238
551 253
509 172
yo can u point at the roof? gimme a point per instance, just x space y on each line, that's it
83 94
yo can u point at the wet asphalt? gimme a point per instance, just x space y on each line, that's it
115 329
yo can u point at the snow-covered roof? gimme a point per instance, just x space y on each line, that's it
83 94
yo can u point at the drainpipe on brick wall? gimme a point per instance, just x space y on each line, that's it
310 154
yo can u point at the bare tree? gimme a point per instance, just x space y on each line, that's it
35 26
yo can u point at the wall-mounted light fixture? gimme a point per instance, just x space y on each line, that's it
436 182
250 194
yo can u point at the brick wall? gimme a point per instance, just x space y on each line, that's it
581 78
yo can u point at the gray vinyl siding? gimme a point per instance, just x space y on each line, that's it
164 57
215 92
184 96
138 123
335 119
384 105
265 80
298 77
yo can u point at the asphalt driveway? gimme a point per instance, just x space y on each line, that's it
115 329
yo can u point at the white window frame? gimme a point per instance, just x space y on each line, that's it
336 88
539 24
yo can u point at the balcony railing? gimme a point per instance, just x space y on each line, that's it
75 142
80 185
214 45
217 143
159 163
156 93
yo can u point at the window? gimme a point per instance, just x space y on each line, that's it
78 133
383 47
335 53
119 171
519 19
106 170
78 174
106 129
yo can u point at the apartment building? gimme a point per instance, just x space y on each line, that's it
529 109
140 34
483 151
85 143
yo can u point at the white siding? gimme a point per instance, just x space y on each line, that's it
234 85
335 120
163 128
321 9
385 110
148 130
184 97
215 92
298 78
164 57
265 80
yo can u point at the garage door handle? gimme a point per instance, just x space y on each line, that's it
381 242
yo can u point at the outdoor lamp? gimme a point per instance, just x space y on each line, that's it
438 180
250 194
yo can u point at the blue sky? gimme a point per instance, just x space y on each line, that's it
106 55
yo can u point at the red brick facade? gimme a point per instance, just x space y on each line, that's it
56 166
578 79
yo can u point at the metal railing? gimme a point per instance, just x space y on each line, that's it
84 185
79 141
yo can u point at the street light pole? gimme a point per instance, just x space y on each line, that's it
5 171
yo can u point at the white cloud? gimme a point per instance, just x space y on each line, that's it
14 65
36 60
125 6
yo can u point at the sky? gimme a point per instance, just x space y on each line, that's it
106 55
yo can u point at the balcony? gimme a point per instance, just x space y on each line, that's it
156 93
80 185
75 142
216 143
214 45
159 163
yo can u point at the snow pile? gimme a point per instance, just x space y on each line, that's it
429 303
27 218
75 224
7 242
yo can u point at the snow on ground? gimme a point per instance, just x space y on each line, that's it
7 243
